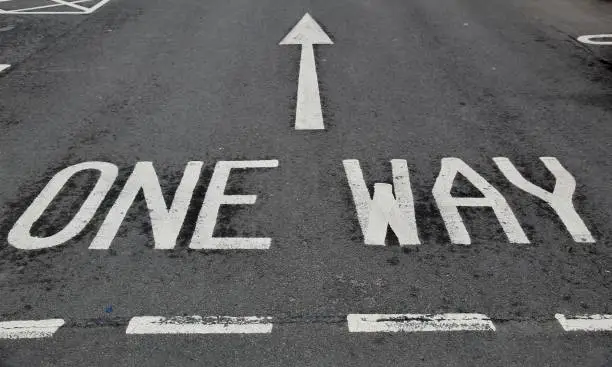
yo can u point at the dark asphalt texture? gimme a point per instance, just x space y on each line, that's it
171 82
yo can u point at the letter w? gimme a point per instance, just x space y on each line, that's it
376 214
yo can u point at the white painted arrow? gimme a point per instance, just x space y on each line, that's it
307 32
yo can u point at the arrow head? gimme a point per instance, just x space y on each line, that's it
307 32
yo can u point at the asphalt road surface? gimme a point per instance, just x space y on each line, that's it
105 259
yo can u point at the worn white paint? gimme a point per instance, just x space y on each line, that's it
199 325
597 39
380 323
585 322
449 205
215 197
165 222
20 236
29 329
377 213
307 32
560 199
4 67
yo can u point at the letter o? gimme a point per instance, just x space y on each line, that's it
20 236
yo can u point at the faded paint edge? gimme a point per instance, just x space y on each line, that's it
29 329
585 322
381 323
199 325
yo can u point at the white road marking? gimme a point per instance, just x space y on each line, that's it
4 67
97 6
203 234
380 323
585 322
389 206
376 214
560 199
199 325
29 329
165 222
449 205
79 9
593 39
20 236
307 32
27 10
74 5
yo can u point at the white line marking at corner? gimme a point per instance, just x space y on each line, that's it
199 325
29 329
97 6
592 39
379 323
585 322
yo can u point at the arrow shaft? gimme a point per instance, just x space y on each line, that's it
308 114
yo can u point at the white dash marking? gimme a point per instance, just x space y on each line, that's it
585 322
379 323
29 329
199 325
4 67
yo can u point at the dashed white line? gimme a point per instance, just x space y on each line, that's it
585 322
357 323
199 325
29 329
392 323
